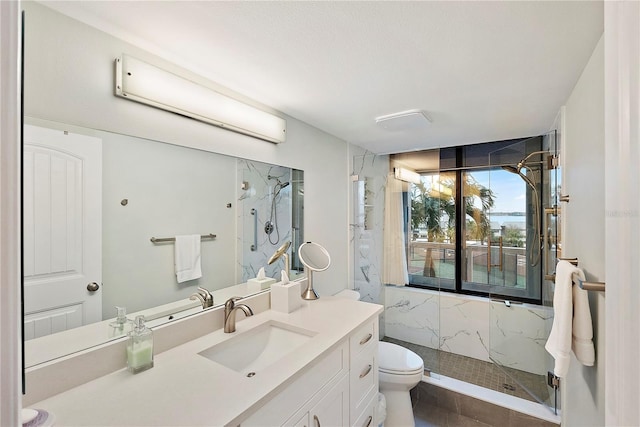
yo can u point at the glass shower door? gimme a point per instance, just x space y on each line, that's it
524 180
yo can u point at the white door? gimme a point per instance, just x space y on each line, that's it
62 208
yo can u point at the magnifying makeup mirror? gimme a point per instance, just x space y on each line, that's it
315 258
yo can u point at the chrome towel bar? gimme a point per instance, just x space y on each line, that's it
587 286
591 286
173 239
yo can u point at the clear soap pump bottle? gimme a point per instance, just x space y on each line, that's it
121 325
140 347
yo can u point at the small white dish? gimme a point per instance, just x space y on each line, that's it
28 415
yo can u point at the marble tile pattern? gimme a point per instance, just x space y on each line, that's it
258 195
518 336
470 326
412 316
366 238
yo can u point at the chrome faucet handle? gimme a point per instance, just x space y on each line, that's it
198 297
204 292
207 296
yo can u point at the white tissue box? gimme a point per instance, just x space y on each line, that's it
286 298
260 284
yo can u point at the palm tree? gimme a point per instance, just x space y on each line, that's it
434 209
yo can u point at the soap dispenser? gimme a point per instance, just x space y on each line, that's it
121 325
140 347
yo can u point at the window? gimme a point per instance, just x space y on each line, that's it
467 226
431 247
494 252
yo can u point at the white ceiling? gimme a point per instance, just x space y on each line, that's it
483 71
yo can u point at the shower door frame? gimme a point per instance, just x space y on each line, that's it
549 223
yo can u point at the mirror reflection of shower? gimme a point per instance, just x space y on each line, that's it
532 167
272 223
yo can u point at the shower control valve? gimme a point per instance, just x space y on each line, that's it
268 227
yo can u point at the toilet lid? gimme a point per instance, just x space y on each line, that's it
397 359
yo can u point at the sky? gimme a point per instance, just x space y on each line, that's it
508 188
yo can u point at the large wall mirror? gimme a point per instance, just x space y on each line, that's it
94 201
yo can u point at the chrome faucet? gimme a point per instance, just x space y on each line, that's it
230 308
205 297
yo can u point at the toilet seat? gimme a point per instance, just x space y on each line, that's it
396 360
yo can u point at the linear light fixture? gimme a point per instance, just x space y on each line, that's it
406 175
145 83
410 120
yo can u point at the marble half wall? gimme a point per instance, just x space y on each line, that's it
471 326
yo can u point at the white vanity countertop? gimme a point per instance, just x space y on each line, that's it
186 389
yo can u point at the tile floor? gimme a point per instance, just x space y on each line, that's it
437 407
478 372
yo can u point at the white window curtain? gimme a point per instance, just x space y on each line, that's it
395 260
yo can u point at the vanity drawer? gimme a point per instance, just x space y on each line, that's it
363 380
367 417
363 338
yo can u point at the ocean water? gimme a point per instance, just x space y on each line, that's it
518 221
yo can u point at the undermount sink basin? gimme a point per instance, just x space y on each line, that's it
251 351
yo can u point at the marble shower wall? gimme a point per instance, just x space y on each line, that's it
369 181
471 326
257 196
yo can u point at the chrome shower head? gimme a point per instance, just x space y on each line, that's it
278 182
518 172
511 169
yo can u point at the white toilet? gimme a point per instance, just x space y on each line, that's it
399 370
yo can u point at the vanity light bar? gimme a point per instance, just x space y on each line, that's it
145 83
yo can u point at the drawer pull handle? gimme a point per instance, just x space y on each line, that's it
366 372
366 339
368 421
316 420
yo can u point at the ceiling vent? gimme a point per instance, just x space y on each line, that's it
410 120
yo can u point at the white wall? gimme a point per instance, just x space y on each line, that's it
170 191
10 354
583 389
622 214
69 79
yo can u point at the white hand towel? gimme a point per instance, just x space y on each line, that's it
582 343
571 321
187 257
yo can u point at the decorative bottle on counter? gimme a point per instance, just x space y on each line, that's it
140 347
121 325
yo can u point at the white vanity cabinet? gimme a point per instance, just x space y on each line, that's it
330 380
363 374
327 409
340 389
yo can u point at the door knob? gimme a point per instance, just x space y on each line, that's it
93 286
